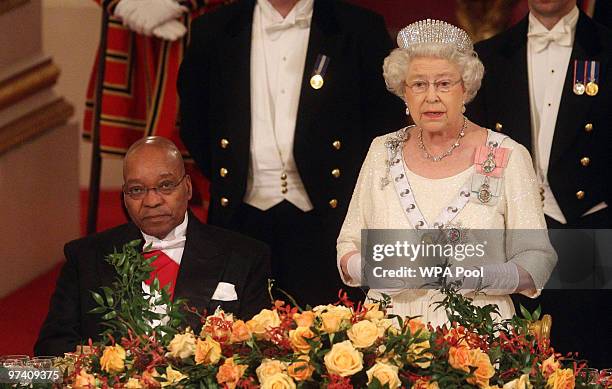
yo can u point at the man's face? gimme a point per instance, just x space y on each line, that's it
551 8
154 212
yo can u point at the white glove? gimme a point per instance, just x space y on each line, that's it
142 16
498 279
170 31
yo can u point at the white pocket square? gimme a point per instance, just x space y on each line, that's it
225 292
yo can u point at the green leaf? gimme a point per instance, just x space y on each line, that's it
525 312
98 299
110 315
98 310
537 313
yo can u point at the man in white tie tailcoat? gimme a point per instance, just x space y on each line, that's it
207 265
548 84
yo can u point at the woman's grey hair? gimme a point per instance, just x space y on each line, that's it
396 65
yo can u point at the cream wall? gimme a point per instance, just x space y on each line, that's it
39 181
71 31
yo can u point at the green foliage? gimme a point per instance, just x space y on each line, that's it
124 306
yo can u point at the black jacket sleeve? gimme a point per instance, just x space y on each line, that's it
60 332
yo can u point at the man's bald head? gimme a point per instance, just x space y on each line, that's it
158 143
157 190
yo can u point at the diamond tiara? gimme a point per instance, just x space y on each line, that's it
434 31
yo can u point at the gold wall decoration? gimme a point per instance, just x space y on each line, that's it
34 124
28 82
482 19
7 5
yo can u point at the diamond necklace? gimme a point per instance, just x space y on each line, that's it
447 152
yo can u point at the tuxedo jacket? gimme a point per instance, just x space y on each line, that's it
211 255
584 123
335 124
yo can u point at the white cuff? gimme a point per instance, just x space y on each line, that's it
498 279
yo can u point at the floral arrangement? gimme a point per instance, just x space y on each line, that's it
336 346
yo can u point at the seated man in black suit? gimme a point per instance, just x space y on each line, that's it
207 265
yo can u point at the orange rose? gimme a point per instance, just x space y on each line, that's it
484 370
304 319
207 351
416 325
301 370
562 379
148 379
229 373
422 383
298 339
240 332
113 359
84 380
549 366
459 358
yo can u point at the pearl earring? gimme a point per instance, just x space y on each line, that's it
407 111
463 108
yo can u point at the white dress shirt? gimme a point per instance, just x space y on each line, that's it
547 66
278 53
172 244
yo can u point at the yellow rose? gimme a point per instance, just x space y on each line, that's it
207 351
301 370
84 380
298 338
417 353
363 334
484 370
385 374
229 373
343 359
182 345
386 324
113 359
172 377
549 366
424 384
519 383
562 379
459 358
240 332
333 317
268 368
133 383
304 319
267 318
374 313
278 381
264 320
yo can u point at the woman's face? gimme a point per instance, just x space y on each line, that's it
434 93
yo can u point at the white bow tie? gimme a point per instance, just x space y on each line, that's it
274 30
542 39
167 244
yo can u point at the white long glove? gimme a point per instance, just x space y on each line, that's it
170 31
142 16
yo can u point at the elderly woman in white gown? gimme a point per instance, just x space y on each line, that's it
447 172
